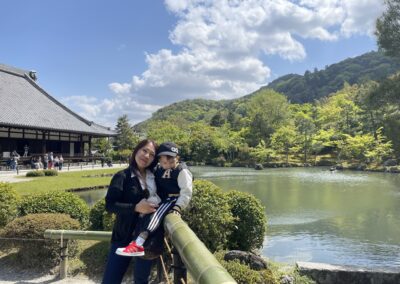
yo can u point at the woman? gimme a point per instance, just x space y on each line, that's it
126 197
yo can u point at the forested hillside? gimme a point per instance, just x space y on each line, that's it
297 88
357 124
317 84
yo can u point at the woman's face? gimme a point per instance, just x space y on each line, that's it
145 156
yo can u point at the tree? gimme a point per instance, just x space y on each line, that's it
103 145
268 111
305 126
339 111
126 138
356 147
217 120
284 139
381 149
321 140
388 29
261 153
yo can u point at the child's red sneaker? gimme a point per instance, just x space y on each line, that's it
131 250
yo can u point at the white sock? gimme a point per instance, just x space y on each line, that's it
140 241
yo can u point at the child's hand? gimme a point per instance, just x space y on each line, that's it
175 210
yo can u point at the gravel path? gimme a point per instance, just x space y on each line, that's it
10 274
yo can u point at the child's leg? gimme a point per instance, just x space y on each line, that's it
158 216
155 221
133 249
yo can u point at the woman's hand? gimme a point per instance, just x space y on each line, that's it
145 207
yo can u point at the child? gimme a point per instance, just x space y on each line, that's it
174 187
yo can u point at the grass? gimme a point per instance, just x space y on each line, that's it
64 181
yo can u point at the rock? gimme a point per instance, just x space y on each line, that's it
287 279
254 261
361 167
390 163
258 167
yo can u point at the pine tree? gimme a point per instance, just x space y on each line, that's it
126 138
388 29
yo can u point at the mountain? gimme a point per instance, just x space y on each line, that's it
315 85
298 89
185 112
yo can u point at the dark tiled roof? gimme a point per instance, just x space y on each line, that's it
24 104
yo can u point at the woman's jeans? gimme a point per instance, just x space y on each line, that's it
117 266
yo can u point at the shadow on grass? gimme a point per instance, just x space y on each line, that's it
93 260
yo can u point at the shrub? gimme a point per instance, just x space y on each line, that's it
243 274
96 215
108 221
208 214
34 254
99 218
9 202
250 222
57 202
50 172
35 174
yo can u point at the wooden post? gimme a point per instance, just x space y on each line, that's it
180 273
64 259
159 271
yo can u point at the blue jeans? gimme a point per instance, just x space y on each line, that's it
117 266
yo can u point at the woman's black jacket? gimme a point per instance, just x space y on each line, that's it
122 196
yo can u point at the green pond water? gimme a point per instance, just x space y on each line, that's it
341 217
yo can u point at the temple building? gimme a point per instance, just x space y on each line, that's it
32 121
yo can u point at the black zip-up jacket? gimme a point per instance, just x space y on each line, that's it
122 196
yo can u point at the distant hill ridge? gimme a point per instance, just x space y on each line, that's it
298 88
315 85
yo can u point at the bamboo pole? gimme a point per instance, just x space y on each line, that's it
77 235
201 263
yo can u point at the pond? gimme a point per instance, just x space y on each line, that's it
340 217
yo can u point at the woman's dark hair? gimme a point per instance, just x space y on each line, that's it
139 146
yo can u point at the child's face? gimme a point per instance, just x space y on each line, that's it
168 162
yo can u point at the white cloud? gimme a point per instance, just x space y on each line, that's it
107 111
361 16
221 45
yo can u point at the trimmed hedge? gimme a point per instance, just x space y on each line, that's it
9 203
40 254
108 221
42 173
100 219
209 215
96 215
50 172
250 223
35 174
57 202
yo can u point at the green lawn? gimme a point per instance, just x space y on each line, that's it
64 180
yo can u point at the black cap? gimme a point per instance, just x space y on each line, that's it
168 149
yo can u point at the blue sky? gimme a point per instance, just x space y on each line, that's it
108 58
